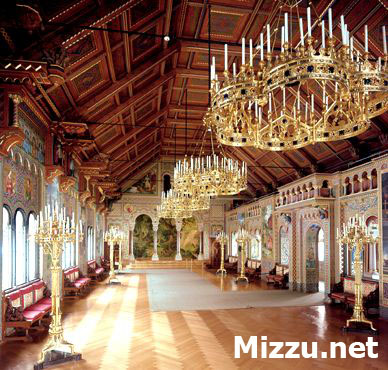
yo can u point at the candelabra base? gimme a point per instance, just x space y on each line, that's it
113 281
221 271
200 257
242 279
360 327
155 257
55 357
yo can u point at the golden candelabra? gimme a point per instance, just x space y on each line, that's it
112 237
53 232
243 238
223 240
355 235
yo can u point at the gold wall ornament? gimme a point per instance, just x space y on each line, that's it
113 236
355 235
222 238
53 232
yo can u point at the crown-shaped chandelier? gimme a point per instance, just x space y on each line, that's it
211 175
302 95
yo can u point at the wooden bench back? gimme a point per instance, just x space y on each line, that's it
92 264
367 286
253 264
71 273
232 259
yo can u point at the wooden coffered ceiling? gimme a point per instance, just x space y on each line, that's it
129 89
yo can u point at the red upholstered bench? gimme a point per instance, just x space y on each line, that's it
253 268
231 265
24 309
74 284
95 272
278 276
344 293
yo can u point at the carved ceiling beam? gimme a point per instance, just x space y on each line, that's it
138 97
131 164
136 74
139 140
116 143
190 108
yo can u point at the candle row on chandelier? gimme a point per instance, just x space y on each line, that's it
301 95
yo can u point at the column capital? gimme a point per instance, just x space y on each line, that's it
131 226
178 224
201 227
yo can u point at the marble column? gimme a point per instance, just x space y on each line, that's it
200 255
155 256
178 256
131 228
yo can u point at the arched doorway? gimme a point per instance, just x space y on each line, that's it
315 259
189 238
143 237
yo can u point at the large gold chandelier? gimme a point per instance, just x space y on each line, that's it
301 95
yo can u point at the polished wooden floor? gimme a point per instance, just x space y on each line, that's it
114 328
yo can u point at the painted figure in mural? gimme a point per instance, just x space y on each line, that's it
265 230
147 185
58 154
310 260
10 182
27 188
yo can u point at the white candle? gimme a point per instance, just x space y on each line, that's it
284 97
286 27
269 38
301 31
250 53
243 50
366 38
351 47
330 24
256 110
323 34
384 41
282 41
312 103
298 100
226 57
234 70
269 103
309 21
261 47
343 29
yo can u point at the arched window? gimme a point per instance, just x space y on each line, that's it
372 263
7 250
321 246
20 248
32 247
68 255
256 247
166 183
234 250
90 242
284 246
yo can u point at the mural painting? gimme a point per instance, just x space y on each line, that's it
189 238
9 180
20 187
384 198
167 238
147 185
311 247
265 230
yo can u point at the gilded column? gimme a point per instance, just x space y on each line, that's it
131 227
155 256
178 256
200 255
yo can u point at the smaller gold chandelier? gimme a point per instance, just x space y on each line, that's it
210 176
173 205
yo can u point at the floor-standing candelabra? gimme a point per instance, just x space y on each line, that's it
243 239
53 232
223 240
122 239
112 237
355 235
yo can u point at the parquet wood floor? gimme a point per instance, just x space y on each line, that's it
114 328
